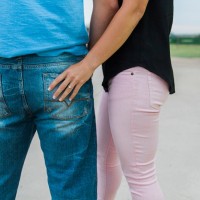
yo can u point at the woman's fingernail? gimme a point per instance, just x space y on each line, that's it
60 99
70 99
49 88
54 97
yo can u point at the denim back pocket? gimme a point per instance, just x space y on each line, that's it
66 110
4 110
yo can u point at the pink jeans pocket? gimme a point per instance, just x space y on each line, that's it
158 90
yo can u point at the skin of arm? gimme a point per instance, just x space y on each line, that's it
103 12
118 25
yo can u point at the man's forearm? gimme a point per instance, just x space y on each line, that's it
116 33
102 15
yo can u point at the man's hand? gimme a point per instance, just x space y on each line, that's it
72 80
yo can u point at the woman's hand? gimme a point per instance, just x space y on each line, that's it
72 80
116 33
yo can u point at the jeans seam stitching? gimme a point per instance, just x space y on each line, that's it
106 164
6 108
132 120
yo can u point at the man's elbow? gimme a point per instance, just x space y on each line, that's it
136 8
113 4
110 4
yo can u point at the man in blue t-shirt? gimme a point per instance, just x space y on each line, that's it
39 41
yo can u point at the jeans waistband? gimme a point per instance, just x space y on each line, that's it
35 60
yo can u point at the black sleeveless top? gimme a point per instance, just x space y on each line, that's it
147 46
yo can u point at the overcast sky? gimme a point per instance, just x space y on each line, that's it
186 15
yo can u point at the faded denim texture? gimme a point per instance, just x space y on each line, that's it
66 129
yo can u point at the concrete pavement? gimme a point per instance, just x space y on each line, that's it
178 157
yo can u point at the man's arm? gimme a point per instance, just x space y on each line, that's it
116 33
103 12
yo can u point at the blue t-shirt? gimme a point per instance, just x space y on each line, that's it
43 27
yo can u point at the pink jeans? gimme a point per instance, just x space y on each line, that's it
127 130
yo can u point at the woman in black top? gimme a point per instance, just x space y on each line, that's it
131 38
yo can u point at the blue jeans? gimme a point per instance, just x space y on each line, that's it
66 130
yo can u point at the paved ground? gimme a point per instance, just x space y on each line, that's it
178 158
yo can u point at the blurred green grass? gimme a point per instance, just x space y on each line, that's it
185 50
